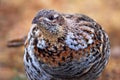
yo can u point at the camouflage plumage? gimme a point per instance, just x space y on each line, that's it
65 47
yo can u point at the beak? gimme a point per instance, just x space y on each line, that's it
35 21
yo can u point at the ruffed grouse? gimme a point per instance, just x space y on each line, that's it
65 47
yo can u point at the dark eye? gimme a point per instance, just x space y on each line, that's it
51 17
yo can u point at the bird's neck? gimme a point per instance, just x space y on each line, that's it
52 37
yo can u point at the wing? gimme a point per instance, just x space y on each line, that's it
91 45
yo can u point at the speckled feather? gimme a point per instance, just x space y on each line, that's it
65 47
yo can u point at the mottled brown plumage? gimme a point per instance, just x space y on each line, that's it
65 47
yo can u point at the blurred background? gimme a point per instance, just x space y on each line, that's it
15 21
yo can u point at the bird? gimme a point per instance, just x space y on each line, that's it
63 46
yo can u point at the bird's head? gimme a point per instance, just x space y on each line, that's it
50 23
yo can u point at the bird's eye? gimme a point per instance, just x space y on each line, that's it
51 17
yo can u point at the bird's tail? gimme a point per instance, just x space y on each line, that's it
16 42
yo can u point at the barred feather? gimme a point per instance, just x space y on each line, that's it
65 47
